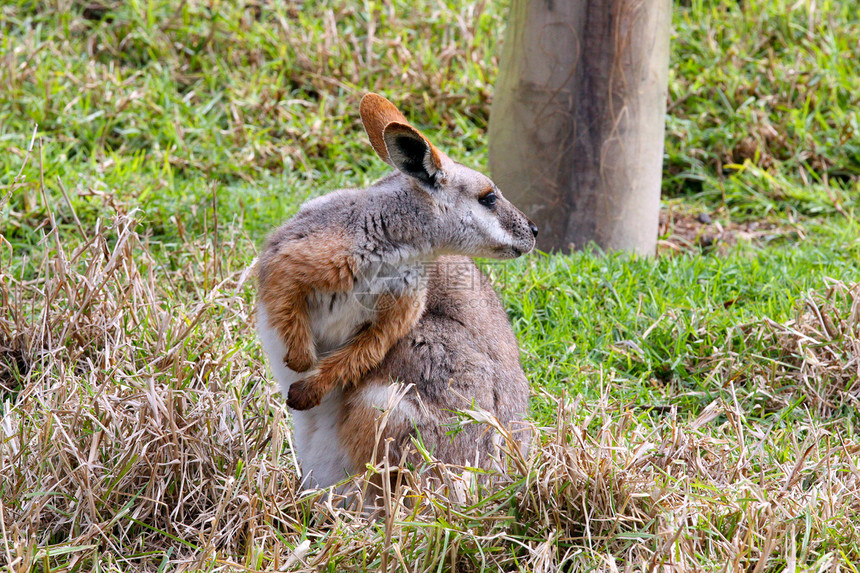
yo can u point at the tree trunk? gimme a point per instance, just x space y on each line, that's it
577 123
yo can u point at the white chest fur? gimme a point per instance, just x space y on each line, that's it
335 317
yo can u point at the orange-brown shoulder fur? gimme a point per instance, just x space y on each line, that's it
292 271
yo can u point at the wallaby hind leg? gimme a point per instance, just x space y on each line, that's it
395 317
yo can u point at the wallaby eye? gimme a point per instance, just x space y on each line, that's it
488 200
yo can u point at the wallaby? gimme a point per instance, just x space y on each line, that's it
365 279
347 274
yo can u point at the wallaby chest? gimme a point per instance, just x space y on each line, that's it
336 317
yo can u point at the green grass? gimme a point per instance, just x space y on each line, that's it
582 307
697 408
762 113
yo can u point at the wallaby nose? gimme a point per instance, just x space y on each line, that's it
534 228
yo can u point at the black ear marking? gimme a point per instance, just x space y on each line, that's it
411 153
410 158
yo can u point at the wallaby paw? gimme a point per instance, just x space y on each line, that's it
304 394
299 361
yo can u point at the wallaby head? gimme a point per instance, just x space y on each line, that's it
471 217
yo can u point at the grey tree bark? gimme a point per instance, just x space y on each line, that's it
578 117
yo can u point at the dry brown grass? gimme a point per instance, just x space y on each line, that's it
813 360
140 430
131 404
819 352
685 230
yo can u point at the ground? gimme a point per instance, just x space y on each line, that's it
697 410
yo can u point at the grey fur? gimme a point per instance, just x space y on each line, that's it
461 355
400 222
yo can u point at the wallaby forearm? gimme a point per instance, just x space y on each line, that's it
395 316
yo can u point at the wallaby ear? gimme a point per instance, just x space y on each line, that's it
411 152
377 112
